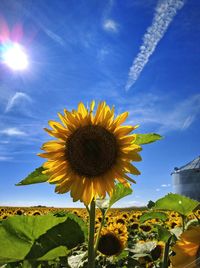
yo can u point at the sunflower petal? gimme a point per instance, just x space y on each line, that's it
82 110
92 105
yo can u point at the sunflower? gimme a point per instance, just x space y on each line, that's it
134 226
157 252
146 227
91 151
187 249
19 212
113 239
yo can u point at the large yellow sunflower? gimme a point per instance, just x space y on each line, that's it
91 151
187 249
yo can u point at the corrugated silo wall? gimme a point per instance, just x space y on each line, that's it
187 182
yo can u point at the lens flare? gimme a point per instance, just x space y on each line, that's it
14 56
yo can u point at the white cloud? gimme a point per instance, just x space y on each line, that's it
163 16
54 36
166 185
188 121
157 190
58 39
110 25
158 113
17 98
176 116
184 114
5 158
4 142
131 203
53 202
165 112
12 132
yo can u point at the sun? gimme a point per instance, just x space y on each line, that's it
15 57
13 43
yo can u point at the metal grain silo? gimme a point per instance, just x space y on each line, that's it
186 179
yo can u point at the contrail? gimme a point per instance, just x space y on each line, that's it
163 16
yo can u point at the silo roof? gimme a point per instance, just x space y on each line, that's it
194 164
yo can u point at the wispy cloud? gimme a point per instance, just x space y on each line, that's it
163 16
178 115
58 39
159 112
130 204
166 185
110 25
5 158
38 20
17 98
184 114
13 132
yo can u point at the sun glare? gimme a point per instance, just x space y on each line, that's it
15 57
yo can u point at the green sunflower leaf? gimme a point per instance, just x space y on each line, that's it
60 251
175 202
147 138
163 233
123 255
153 215
119 192
34 177
39 238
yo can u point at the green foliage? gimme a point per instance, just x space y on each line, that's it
34 177
122 255
150 204
60 251
119 192
42 237
163 233
147 138
66 234
153 215
60 213
175 202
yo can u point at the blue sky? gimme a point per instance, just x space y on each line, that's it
141 56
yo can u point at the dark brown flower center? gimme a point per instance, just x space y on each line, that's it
145 228
120 221
157 252
134 226
109 245
91 150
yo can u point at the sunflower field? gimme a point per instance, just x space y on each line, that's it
53 237
90 157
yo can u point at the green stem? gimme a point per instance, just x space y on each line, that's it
88 210
197 217
91 252
166 253
183 222
99 232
